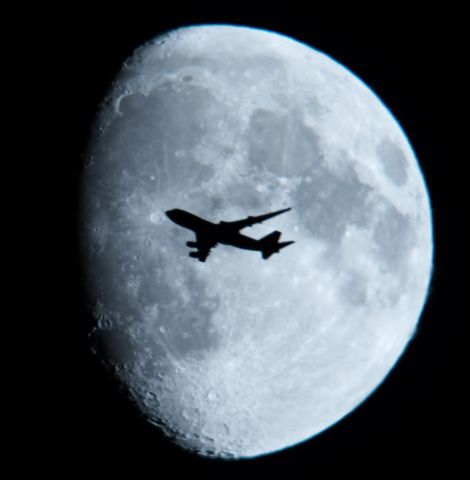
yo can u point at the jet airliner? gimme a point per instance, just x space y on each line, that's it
209 235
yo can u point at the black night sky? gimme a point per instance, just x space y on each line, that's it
413 421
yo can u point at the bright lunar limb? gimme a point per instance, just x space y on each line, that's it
238 356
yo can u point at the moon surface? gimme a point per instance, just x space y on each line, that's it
238 356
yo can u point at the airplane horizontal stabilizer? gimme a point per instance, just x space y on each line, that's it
270 244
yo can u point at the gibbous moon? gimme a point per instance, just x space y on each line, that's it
239 356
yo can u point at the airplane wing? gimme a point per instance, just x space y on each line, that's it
204 247
250 221
202 253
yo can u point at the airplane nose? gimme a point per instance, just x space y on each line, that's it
170 214
174 215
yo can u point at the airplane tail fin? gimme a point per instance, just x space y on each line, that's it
270 244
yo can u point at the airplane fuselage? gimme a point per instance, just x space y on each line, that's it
221 232
237 239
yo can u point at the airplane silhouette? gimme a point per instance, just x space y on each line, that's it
209 235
